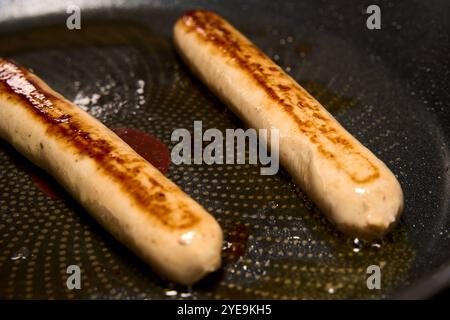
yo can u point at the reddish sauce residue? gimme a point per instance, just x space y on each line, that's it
146 145
236 240
45 183
41 179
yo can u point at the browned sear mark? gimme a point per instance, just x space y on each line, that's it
314 123
19 84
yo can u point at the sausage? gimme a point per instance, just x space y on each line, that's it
349 184
127 195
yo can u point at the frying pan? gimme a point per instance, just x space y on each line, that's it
388 87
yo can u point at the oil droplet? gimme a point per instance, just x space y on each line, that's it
330 288
186 294
140 86
357 245
273 204
376 245
171 293
227 245
21 254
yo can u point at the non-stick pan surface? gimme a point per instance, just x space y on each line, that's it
388 87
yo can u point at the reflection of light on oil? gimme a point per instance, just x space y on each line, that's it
171 293
187 237
185 294
360 190
140 84
22 254
175 293
357 245
227 245
376 245
330 288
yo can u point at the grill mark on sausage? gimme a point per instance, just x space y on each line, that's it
18 84
314 123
